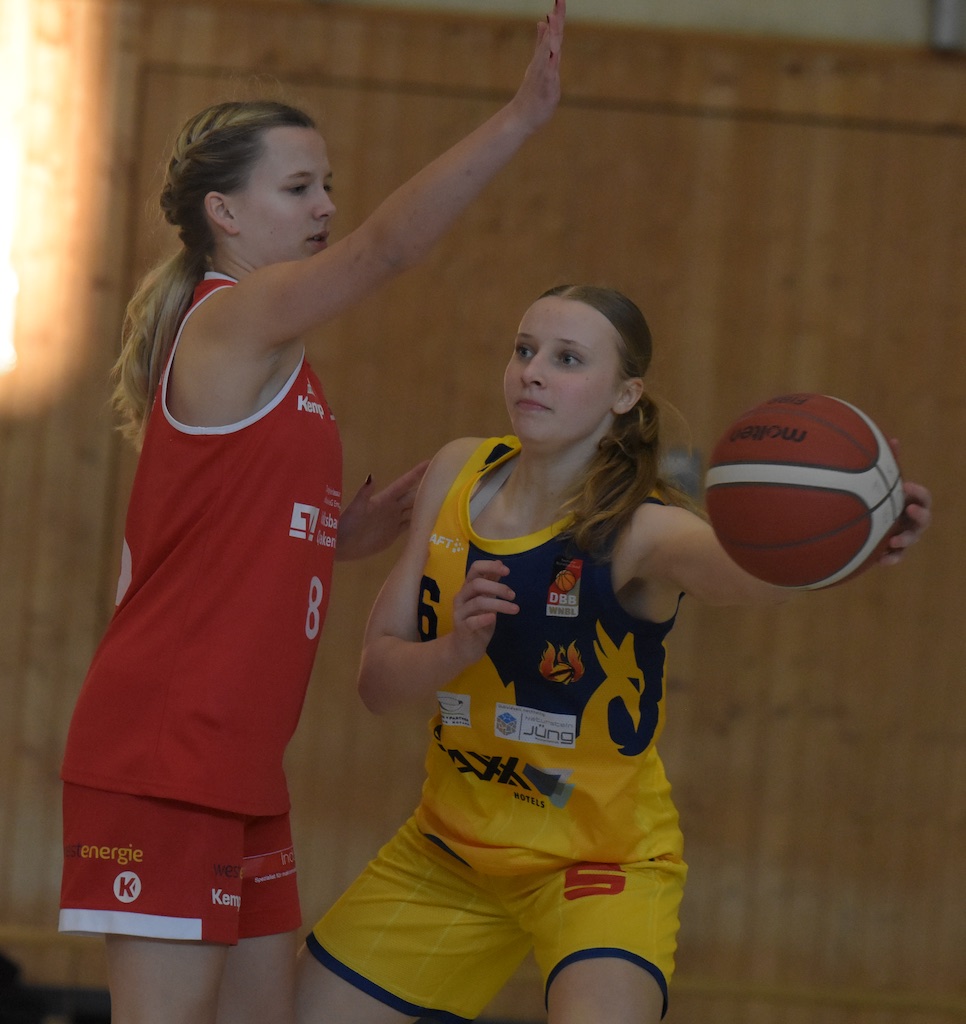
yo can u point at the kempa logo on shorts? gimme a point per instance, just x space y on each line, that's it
127 887
220 898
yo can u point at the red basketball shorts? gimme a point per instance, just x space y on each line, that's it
137 865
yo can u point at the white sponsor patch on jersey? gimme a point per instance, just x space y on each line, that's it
454 708
532 726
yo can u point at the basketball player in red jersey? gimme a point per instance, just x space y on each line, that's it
528 613
176 833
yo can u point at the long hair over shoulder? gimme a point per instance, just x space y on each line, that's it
626 468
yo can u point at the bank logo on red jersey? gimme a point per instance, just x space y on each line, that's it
305 518
311 523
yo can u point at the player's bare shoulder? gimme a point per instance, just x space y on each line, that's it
443 470
448 462
643 580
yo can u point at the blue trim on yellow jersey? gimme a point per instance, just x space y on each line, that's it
436 841
618 954
377 992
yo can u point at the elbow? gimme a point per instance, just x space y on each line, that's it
398 248
373 697
380 252
374 685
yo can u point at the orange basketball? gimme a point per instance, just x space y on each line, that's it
565 580
804 491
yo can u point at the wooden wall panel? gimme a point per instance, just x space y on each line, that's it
57 449
789 217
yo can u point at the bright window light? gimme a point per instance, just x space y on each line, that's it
14 40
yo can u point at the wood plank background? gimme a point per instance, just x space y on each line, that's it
789 216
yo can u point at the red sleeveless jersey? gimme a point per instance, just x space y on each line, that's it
198 683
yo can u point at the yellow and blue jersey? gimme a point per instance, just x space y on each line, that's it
543 752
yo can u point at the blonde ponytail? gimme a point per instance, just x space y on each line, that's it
150 325
622 474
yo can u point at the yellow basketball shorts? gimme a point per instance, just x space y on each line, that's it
424 933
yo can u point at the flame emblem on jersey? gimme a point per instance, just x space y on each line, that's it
560 664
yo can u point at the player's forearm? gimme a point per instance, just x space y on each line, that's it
414 217
396 673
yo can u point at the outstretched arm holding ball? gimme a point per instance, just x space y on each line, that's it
805 491
669 551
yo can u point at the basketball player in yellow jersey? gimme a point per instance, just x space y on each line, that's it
542 574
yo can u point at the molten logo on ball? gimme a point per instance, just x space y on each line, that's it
770 432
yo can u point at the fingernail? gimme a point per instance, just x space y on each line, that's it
368 480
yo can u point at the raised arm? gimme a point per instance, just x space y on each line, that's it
279 302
